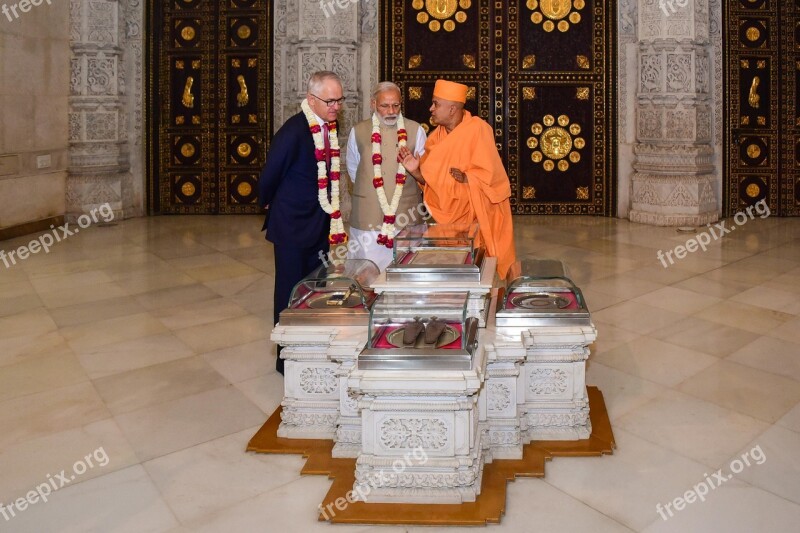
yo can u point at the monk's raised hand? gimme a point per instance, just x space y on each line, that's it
459 176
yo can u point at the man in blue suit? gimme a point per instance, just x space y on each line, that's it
287 189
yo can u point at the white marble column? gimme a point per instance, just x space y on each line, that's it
674 181
99 108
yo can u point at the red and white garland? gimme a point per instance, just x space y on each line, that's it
337 234
388 230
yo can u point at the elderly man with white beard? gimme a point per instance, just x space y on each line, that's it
385 197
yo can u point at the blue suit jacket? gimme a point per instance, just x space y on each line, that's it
288 184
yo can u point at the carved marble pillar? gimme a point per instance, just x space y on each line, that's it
674 181
99 159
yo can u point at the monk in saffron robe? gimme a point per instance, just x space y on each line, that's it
462 175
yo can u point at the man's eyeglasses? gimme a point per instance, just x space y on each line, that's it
330 103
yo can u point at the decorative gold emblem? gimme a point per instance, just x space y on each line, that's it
471 93
753 151
252 62
582 193
244 31
529 93
745 121
415 93
745 63
196 64
252 119
414 61
558 13
469 60
754 99
196 119
236 63
528 193
188 189
753 190
180 65
529 61
244 189
243 149
188 98
445 13
583 62
180 120
762 64
187 150
761 120
441 9
242 98
582 93
556 143
188 33
753 34
552 143
235 119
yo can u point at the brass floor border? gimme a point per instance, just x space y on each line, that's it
488 508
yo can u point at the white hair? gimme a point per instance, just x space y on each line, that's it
383 87
317 79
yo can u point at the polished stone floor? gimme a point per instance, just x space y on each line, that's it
146 343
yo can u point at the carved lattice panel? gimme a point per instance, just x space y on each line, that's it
762 126
210 112
523 62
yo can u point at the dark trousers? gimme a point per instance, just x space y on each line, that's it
292 265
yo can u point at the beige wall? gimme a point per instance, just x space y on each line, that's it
34 86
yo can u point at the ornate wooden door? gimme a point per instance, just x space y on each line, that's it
210 104
762 128
540 72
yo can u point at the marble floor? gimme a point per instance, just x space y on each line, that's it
144 345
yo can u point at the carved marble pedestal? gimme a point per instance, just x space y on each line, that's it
313 397
421 440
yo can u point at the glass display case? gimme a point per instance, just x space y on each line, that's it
413 331
541 293
338 293
436 252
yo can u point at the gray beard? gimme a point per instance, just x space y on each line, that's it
386 122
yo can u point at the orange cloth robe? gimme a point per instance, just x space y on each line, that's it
470 147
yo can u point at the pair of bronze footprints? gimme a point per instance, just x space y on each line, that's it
433 330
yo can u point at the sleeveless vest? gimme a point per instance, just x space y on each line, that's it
366 213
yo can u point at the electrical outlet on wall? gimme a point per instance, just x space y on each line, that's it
43 161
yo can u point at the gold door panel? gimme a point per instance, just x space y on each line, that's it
209 105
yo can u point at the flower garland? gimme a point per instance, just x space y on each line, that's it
388 230
337 234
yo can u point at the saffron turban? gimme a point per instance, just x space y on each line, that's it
450 90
